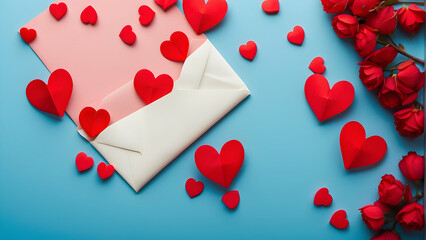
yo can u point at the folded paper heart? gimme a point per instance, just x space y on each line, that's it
248 50
105 171
296 36
93 122
146 15
323 197
220 168
28 34
231 199
271 6
203 16
127 35
165 3
89 15
177 48
58 10
317 65
151 88
83 162
52 98
326 102
194 188
338 219
357 151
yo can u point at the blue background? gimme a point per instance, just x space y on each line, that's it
289 154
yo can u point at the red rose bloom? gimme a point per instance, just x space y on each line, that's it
383 20
410 79
386 235
390 190
411 216
382 57
412 166
372 216
411 18
385 208
390 96
409 122
335 6
363 7
371 75
365 40
345 25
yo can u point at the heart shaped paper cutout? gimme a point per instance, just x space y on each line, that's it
146 15
231 199
83 162
220 168
165 3
58 10
28 34
326 102
194 188
357 151
127 35
296 36
52 98
248 50
175 49
150 88
271 6
317 65
203 16
339 220
94 122
323 197
89 15
105 171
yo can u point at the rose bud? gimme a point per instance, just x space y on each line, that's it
412 166
411 18
383 20
386 235
409 122
390 96
372 216
371 75
390 190
382 57
407 197
345 25
365 40
410 79
335 6
363 7
411 216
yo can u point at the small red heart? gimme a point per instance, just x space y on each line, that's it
58 10
165 3
326 103
357 151
248 50
296 36
89 15
177 48
28 34
150 88
94 122
105 171
323 198
339 220
83 162
51 98
231 199
317 65
271 6
127 35
203 16
146 15
194 188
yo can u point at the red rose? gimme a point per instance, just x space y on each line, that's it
371 75
390 190
345 25
385 208
382 57
386 235
411 18
383 20
412 166
334 6
373 216
407 197
363 7
409 122
390 96
411 216
410 79
365 40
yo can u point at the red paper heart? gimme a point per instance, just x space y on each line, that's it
317 65
83 162
28 34
357 151
177 48
271 6
323 198
203 16
146 15
150 88
51 98
339 220
220 168
165 3
231 199
296 36
93 122
324 102
127 35
58 10
89 15
194 188
248 50
105 171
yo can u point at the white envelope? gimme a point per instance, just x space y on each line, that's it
143 143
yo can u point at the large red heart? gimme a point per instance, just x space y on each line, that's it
146 15
203 16
220 168
83 162
357 151
127 35
194 188
339 220
271 6
248 50
165 3
324 102
150 88
323 197
177 48
93 122
231 199
51 98
89 15
58 10
317 65
28 34
105 171
296 36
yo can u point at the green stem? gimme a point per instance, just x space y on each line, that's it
394 2
393 225
391 43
